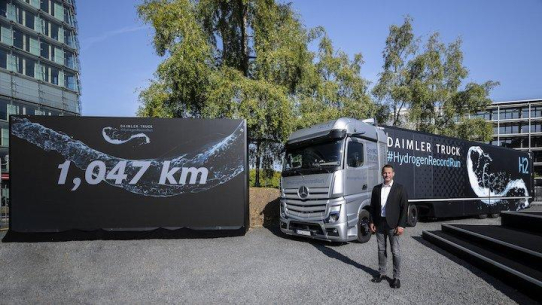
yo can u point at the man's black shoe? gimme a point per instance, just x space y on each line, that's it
396 283
378 278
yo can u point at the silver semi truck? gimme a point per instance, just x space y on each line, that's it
330 169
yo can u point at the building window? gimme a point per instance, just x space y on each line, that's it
69 60
6 36
3 8
34 3
508 129
525 112
507 114
505 143
30 109
536 111
44 50
29 67
58 11
68 17
4 109
54 31
29 19
71 81
484 115
5 137
45 27
3 59
12 109
54 76
69 39
537 156
45 5
18 39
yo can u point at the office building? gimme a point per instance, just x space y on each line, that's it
39 67
518 125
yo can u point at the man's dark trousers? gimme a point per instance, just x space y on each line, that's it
383 232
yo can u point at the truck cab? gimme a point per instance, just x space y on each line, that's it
328 174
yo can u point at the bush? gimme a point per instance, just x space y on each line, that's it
266 179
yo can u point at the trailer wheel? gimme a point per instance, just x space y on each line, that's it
364 231
482 216
412 215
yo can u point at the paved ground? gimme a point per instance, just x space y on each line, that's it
261 267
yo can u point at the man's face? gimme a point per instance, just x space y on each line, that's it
387 174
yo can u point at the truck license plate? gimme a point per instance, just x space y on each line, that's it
303 232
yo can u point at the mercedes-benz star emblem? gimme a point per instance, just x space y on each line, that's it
303 192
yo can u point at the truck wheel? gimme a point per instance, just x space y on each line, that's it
412 215
494 215
364 231
482 216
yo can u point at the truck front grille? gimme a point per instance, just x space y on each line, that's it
314 193
306 209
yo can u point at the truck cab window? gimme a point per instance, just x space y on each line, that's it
320 157
354 156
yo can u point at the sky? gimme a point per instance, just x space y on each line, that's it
502 41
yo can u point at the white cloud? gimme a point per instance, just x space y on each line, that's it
89 42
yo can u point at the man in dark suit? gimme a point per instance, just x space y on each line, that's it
389 202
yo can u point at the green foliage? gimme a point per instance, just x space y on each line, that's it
429 84
269 178
248 59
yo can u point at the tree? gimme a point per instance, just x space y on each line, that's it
429 85
335 89
393 89
229 59
439 103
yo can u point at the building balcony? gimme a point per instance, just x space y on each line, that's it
517 120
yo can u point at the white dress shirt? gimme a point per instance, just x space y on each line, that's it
384 197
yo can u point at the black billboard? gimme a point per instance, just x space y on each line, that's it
466 177
127 174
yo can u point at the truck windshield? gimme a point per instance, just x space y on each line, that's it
321 157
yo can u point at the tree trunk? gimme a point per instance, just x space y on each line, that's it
258 163
244 38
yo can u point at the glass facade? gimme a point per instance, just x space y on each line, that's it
518 125
39 64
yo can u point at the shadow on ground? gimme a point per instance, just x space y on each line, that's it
512 293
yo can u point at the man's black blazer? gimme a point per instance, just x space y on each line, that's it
396 206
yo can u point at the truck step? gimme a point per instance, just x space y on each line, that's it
520 246
524 278
526 221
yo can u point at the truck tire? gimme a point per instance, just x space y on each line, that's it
494 215
364 231
412 215
482 216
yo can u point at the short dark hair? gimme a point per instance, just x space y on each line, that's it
388 166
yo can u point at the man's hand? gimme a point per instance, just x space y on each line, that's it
373 228
399 230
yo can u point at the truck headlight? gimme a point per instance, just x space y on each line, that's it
334 214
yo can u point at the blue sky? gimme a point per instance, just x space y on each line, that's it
502 41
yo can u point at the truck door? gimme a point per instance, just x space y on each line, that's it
356 188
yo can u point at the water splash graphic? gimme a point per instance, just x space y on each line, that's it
222 164
487 184
115 136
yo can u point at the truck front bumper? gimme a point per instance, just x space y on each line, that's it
337 232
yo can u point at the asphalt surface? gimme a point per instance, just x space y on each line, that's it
263 267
